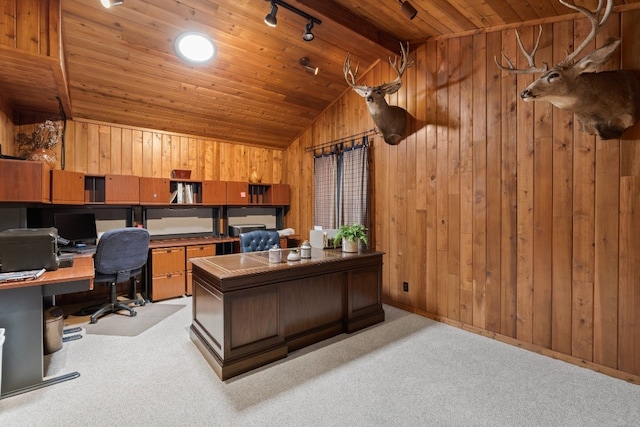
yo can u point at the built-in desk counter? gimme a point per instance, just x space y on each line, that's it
248 312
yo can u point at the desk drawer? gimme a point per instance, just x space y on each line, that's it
197 251
167 260
167 286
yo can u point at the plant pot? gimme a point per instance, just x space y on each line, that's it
349 245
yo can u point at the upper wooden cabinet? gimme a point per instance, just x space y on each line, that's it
154 191
237 193
24 181
112 189
279 194
246 194
214 192
67 188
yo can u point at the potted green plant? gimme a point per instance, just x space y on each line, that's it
350 235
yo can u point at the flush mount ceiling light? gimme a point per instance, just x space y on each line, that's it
194 47
108 3
409 11
307 66
271 20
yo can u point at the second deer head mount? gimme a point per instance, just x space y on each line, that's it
605 103
390 119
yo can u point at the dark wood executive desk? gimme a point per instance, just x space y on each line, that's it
248 312
21 315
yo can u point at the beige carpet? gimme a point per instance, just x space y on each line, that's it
124 325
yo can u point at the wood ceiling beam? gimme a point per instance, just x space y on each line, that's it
352 22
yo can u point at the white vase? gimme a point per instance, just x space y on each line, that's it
349 245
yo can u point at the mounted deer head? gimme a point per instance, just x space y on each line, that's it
390 119
605 103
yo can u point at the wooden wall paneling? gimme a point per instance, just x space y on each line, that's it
442 199
453 181
630 57
493 195
563 123
137 153
412 218
466 180
508 193
480 180
104 149
583 230
166 143
419 161
607 197
115 153
542 204
126 142
28 32
431 169
629 247
629 297
401 197
396 205
7 23
524 301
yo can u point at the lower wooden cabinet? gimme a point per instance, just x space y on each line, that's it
170 270
167 272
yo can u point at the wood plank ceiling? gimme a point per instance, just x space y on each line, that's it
122 68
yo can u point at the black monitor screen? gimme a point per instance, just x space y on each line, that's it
77 227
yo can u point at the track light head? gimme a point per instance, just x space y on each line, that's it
108 3
308 35
270 19
409 11
304 61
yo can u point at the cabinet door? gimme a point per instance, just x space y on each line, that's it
67 187
196 251
154 191
24 181
214 192
122 189
279 194
237 193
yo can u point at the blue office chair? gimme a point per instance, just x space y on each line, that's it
258 240
120 256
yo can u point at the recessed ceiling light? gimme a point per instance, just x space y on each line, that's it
195 47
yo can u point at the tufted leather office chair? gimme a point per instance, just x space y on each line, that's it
258 240
120 256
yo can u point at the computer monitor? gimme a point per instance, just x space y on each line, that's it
76 227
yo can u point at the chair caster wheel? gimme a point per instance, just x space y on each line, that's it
133 314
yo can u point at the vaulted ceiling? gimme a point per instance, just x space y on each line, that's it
122 68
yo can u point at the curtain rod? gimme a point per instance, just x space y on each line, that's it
373 131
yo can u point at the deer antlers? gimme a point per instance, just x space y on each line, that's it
595 28
405 62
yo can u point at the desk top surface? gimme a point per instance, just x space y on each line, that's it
82 269
249 263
